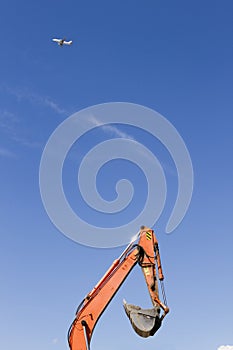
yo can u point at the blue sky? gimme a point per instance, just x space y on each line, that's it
174 57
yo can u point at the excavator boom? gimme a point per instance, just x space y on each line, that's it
144 321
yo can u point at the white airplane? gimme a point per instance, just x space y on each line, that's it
62 42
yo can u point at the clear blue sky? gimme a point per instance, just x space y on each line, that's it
172 56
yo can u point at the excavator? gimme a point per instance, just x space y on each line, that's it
145 322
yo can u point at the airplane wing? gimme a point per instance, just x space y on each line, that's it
57 40
68 42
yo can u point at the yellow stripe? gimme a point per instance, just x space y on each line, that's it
147 271
148 235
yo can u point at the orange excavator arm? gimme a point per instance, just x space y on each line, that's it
145 322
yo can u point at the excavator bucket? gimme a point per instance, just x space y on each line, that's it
145 322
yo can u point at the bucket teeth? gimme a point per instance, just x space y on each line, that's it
145 322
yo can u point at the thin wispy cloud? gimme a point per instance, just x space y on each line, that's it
226 347
10 125
51 104
112 130
34 98
5 153
27 143
8 120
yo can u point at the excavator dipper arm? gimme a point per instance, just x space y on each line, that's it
144 322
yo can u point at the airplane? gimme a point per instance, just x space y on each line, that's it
62 42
